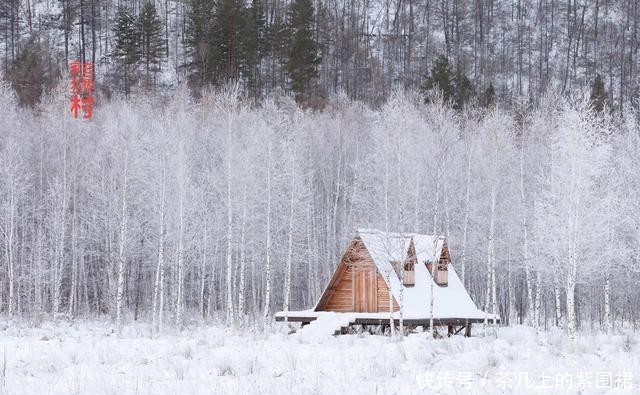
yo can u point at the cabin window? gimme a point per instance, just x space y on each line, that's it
441 274
409 273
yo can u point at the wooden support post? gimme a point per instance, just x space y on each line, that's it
449 330
467 331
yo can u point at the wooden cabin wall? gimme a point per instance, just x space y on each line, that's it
383 297
341 298
357 285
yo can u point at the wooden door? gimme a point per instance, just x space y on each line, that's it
364 290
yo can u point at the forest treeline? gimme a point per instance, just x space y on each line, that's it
167 210
510 51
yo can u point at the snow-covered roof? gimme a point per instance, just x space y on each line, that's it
451 301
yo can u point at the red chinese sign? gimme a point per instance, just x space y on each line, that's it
81 89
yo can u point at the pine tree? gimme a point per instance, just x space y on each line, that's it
199 36
31 75
488 97
127 49
254 45
303 51
259 26
598 95
464 90
223 40
151 39
441 80
456 88
278 39
229 23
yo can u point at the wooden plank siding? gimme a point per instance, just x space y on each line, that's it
383 297
341 297
356 286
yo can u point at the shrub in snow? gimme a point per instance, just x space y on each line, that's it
629 342
179 369
225 369
188 352
555 342
492 360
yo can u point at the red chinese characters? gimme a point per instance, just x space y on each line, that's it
82 86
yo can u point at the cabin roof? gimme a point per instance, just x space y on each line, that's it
449 301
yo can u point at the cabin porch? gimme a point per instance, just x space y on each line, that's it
347 322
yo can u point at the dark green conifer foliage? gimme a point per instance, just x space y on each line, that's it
455 87
488 97
31 75
303 50
227 39
254 46
127 47
464 90
151 39
199 36
598 94
441 79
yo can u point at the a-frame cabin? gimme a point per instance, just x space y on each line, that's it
380 272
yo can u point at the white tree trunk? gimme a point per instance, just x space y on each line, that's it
392 326
538 301
123 240
241 285
491 280
267 267
158 289
573 258
203 268
608 324
434 265
465 230
405 248
212 298
60 218
607 302
513 316
10 231
436 203
179 302
571 312
74 254
229 307
558 307
447 218
525 241
311 267
287 275
254 294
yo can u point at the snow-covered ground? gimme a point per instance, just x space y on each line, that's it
89 358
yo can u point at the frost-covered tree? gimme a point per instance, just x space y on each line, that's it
128 215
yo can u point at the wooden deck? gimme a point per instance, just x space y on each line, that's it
453 325
396 321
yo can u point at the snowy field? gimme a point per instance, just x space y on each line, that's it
89 358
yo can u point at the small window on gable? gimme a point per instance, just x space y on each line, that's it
441 273
409 273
